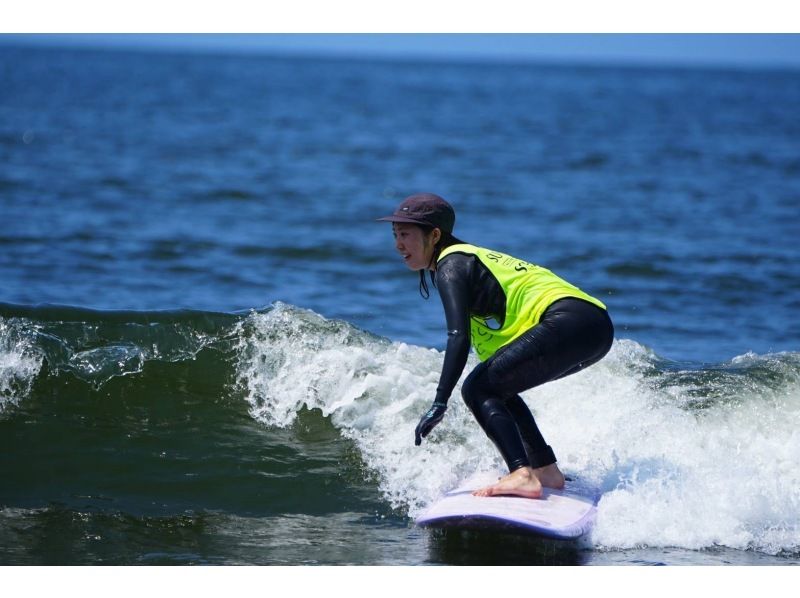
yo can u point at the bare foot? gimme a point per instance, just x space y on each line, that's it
520 482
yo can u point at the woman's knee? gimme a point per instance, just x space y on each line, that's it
472 390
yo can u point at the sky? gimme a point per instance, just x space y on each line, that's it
709 32
762 50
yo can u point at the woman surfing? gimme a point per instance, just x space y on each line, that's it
527 326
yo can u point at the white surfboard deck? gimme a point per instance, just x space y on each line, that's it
560 514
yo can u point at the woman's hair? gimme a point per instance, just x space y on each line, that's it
446 240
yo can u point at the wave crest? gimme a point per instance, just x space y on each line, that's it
687 455
20 362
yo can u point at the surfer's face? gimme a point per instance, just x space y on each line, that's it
413 245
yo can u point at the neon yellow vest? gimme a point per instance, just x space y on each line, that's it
529 290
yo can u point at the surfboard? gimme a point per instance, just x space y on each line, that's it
564 514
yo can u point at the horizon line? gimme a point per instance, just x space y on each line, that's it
187 44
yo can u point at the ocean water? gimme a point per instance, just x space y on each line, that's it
211 354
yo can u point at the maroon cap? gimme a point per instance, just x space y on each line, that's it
424 208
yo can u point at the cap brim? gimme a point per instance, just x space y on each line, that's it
405 219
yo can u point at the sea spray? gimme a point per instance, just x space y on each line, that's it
19 361
98 346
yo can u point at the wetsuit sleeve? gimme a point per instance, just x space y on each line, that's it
453 276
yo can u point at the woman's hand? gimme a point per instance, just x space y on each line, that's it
429 421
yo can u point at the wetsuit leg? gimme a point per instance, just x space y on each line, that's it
571 335
539 453
491 411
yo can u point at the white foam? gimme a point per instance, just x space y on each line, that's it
724 475
19 363
672 476
374 391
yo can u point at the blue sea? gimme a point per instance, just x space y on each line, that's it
210 353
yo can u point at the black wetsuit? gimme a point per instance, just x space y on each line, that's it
571 334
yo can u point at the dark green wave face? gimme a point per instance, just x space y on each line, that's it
279 436
132 434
